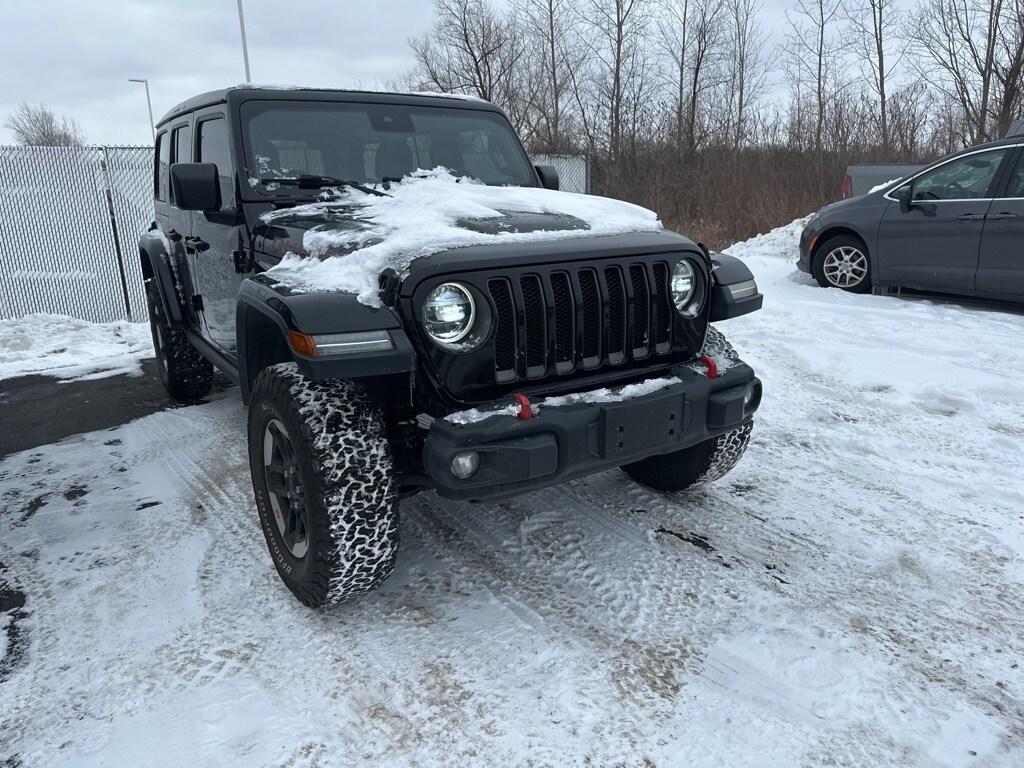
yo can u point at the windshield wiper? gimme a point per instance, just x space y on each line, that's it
306 181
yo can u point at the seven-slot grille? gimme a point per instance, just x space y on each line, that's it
564 319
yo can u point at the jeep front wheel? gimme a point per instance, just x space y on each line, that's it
322 475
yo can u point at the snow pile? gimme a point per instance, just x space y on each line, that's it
68 348
473 415
611 395
421 216
880 187
783 241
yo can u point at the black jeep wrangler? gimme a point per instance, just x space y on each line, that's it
540 347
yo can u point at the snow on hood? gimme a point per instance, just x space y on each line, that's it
431 212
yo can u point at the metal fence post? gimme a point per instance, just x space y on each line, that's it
105 162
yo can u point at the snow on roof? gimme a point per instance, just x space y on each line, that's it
420 216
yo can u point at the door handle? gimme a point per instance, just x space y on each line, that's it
1002 216
971 217
197 244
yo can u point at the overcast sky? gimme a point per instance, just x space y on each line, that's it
77 55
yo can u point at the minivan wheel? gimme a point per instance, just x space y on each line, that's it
843 262
324 486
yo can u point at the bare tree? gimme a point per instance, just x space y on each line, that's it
1009 68
618 27
690 36
546 23
39 126
744 62
961 40
814 52
470 49
880 50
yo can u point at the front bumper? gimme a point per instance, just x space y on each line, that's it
566 441
807 238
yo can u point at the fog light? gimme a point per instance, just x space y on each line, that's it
465 465
748 398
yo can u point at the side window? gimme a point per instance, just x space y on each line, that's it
163 161
967 178
215 148
182 139
1015 187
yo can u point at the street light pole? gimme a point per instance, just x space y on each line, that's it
149 104
245 47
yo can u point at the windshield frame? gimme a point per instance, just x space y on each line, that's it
259 192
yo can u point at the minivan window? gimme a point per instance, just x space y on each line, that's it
966 178
163 153
1015 185
215 148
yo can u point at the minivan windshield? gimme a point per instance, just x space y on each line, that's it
372 143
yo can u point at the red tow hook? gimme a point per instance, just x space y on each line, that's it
712 366
525 409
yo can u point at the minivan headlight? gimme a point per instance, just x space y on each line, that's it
685 293
448 313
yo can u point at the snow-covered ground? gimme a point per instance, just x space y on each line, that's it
851 595
71 349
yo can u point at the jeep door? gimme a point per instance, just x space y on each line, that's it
216 236
1001 265
935 244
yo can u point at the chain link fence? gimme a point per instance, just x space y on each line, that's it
573 171
70 219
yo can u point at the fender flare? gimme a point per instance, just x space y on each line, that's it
731 286
262 300
158 266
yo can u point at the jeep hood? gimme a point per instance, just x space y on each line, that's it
345 242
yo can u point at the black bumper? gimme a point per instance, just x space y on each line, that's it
563 442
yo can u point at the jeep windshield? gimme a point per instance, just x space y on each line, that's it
373 143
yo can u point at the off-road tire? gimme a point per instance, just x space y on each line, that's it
701 463
186 375
830 245
345 468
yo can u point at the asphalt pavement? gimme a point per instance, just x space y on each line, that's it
39 410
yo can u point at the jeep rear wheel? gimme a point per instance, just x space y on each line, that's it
322 475
185 374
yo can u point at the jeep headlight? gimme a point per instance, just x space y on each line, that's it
685 289
449 313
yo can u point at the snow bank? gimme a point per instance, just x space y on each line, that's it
782 242
421 216
68 348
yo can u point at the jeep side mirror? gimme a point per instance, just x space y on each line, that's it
195 186
904 196
548 176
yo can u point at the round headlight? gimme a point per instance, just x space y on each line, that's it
684 289
448 313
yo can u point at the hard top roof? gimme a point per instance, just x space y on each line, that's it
298 93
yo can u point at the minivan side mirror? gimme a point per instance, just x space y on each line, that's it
548 176
904 196
195 186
